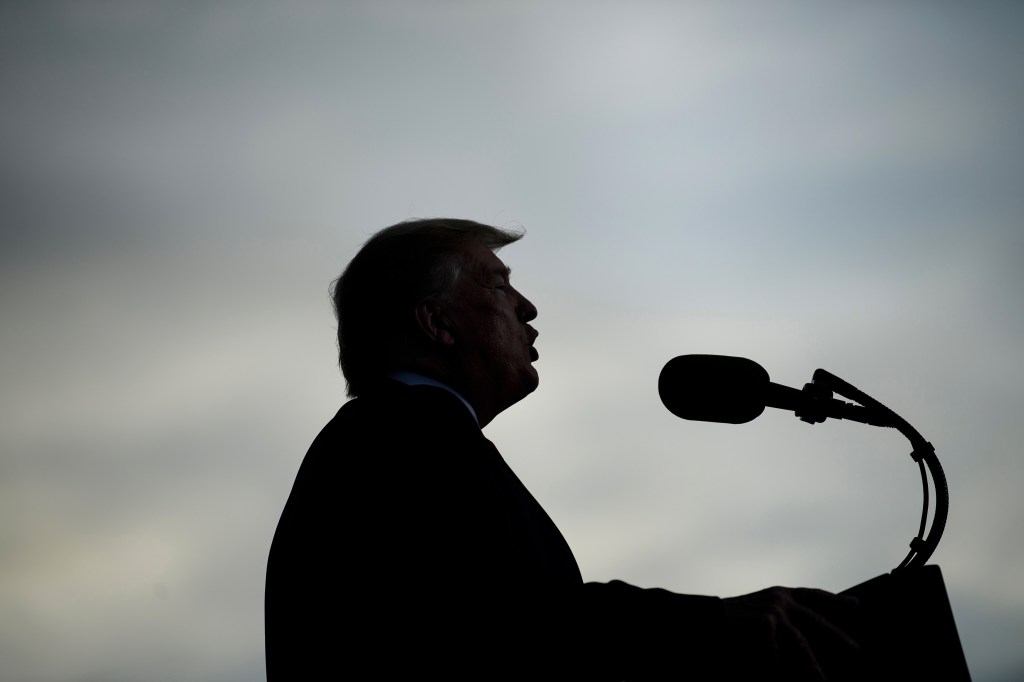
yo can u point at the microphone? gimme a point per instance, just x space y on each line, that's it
732 390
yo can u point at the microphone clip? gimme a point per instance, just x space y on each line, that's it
814 405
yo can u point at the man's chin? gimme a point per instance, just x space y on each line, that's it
535 379
527 385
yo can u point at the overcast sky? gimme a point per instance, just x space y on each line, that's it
805 184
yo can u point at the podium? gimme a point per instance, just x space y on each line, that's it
906 629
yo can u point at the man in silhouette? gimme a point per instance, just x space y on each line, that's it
408 547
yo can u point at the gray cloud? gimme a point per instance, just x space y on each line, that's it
807 186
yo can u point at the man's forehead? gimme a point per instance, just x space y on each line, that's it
487 261
499 268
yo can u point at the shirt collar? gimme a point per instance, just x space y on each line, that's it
415 379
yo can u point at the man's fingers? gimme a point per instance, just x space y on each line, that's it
825 627
825 631
807 631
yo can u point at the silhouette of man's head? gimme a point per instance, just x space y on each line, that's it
431 296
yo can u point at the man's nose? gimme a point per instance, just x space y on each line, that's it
527 311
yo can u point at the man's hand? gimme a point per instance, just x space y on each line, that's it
795 633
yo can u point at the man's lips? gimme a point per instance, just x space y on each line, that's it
534 355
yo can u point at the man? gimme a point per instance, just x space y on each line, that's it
409 548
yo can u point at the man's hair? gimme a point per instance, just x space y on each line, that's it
396 268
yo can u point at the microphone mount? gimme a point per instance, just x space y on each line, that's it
816 397
815 403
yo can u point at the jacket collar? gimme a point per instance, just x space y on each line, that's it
416 379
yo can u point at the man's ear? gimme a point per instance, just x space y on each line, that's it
433 321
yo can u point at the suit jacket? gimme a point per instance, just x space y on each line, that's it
409 548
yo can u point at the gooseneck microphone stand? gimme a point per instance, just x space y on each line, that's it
906 628
819 392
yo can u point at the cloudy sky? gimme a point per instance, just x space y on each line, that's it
805 184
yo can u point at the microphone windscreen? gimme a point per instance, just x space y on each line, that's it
716 388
